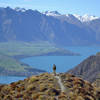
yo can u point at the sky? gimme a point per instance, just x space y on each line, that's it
81 7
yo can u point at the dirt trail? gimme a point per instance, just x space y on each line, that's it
63 89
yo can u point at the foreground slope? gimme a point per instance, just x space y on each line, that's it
89 69
46 87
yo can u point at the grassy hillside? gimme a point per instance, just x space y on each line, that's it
12 67
11 64
31 49
46 87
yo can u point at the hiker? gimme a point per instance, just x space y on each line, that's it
54 69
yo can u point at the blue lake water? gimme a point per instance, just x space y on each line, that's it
9 79
63 63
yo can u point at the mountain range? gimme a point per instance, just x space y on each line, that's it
30 25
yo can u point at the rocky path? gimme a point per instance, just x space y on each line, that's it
63 89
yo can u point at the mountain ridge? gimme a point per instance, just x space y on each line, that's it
88 69
84 18
31 25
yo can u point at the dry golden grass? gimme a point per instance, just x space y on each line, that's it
45 87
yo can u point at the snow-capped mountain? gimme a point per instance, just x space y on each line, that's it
61 29
85 18
20 9
51 13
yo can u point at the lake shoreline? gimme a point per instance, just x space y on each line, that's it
19 57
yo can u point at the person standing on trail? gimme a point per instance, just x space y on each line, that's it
54 69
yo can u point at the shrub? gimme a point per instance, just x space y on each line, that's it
31 87
42 97
33 79
19 95
8 97
79 98
35 96
43 88
53 92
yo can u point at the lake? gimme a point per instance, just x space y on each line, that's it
63 63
